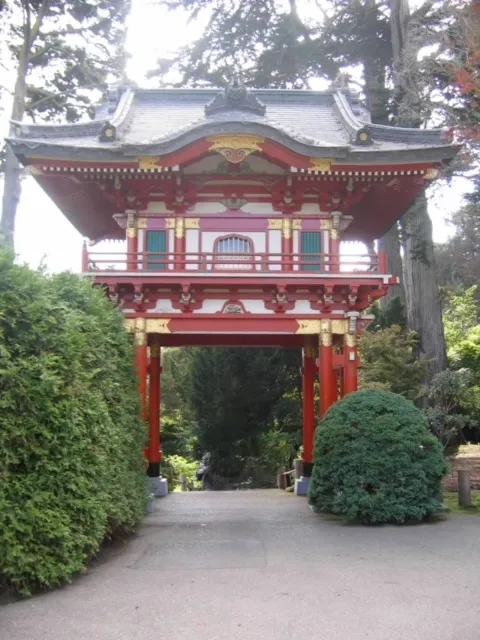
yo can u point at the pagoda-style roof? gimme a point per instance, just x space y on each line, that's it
144 143
156 122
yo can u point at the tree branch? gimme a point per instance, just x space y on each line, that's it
38 22
419 14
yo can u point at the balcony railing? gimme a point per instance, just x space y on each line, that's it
246 263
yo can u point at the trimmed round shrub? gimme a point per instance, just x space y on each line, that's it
71 462
376 461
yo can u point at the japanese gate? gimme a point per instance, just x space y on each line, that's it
232 206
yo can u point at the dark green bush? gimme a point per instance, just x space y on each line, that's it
71 463
375 461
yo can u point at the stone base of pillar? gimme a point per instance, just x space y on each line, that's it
302 486
158 486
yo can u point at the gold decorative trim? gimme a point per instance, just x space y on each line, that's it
141 223
320 164
157 325
308 351
325 333
350 340
129 324
169 223
131 232
431 174
235 141
287 228
326 339
235 147
140 338
136 326
155 351
339 327
308 327
296 224
275 224
334 234
179 227
325 225
149 162
192 223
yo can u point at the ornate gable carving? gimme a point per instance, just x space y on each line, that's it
235 97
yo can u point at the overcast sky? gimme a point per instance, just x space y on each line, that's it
43 232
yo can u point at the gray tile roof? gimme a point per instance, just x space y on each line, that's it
159 121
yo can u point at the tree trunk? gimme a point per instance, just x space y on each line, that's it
12 186
377 102
424 310
11 197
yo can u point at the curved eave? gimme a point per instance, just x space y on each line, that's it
108 152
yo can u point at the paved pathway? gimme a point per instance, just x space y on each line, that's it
241 565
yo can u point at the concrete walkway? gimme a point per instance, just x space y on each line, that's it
241 565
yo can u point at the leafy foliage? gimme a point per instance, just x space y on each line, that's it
375 461
388 358
71 461
234 395
461 315
240 406
181 469
458 259
447 392
392 314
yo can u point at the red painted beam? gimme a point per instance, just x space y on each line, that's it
230 340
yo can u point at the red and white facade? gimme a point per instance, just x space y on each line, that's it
232 231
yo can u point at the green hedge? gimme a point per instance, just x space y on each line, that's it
375 460
71 462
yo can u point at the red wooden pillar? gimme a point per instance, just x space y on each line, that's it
180 243
308 405
350 367
287 244
334 248
142 372
132 242
328 390
154 452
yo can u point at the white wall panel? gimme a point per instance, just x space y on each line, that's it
301 306
171 247
164 306
296 247
192 246
275 246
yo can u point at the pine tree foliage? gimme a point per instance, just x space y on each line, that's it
71 442
388 358
63 50
236 395
458 259
375 461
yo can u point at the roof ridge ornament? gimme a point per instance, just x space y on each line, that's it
237 97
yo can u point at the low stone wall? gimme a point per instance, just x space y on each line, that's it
463 461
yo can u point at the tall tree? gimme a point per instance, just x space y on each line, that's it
63 49
458 259
424 312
